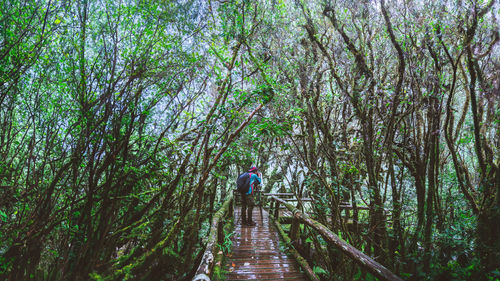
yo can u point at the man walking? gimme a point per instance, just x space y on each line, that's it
247 200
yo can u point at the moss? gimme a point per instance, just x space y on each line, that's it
301 260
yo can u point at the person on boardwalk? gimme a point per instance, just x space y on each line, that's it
247 199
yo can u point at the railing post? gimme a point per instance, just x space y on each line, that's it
231 208
294 229
220 232
276 210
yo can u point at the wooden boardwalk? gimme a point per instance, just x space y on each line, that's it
256 253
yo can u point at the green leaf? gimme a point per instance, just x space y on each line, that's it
3 216
319 270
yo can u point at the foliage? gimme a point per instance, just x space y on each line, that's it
124 123
227 243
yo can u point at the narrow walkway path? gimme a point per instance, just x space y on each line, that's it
256 253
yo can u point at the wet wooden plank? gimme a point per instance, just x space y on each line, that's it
289 264
256 253
265 271
265 276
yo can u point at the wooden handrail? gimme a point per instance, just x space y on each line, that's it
207 262
278 194
301 199
351 207
343 205
356 255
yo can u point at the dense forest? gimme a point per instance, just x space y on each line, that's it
124 124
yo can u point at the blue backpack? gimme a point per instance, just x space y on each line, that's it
243 182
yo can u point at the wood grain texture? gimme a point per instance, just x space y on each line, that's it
256 253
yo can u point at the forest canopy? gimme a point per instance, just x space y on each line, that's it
124 124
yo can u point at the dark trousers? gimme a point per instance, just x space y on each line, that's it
247 201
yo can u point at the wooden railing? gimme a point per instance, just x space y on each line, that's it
215 236
363 260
